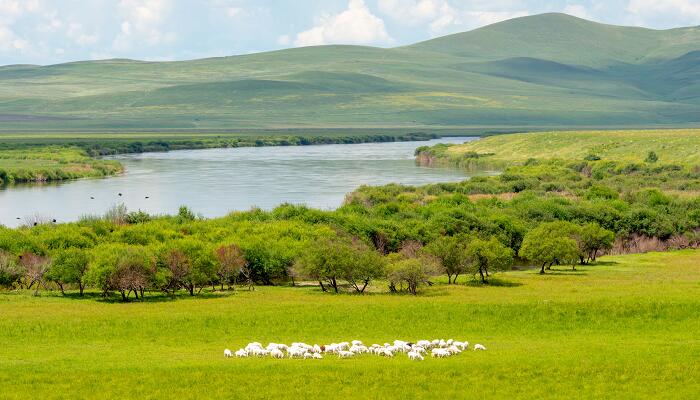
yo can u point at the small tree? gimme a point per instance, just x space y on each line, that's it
326 262
548 250
594 238
450 252
413 272
364 267
69 267
10 271
231 261
35 268
191 263
488 256
652 157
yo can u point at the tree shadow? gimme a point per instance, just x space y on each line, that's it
495 282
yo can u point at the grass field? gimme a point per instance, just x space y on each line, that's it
671 146
625 328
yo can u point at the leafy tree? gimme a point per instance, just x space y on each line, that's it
191 264
544 247
413 272
366 265
651 157
488 256
327 261
231 261
124 268
10 271
594 238
450 252
69 266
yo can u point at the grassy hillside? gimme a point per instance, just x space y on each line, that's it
671 146
550 70
626 325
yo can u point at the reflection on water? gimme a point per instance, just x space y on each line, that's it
216 181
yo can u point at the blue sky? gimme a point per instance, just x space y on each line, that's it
54 31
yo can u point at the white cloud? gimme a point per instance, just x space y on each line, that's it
142 23
646 11
284 40
77 34
577 10
355 25
443 16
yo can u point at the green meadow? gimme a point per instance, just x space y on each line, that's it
625 327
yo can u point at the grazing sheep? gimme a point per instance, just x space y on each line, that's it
276 353
356 342
308 355
295 352
461 345
440 353
227 353
241 353
345 354
386 353
454 349
479 347
358 349
415 356
317 356
418 349
426 344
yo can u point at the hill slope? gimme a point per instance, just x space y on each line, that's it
548 70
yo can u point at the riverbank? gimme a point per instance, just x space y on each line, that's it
631 147
47 157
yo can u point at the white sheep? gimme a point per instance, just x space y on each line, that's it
426 344
317 356
308 355
356 342
276 353
479 347
295 352
461 345
345 354
454 349
440 353
241 353
227 353
415 356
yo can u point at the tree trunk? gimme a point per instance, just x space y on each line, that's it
542 270
455 279
364 286
449 278
60 286
334 283
123 295
81 287
483 278
190 288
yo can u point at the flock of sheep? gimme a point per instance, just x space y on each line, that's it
438 348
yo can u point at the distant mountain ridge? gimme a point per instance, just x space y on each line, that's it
539 71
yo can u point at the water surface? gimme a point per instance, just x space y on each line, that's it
214 182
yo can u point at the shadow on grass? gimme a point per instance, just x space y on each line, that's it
150 297
496 282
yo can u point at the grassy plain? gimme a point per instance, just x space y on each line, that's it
671 146
623 328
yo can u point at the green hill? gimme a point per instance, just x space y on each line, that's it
544 71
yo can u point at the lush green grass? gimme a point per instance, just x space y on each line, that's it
50 163
624 328
671 146
542 71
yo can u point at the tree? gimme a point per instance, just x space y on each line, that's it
231 261
35 267
364 267
450 253
651 157
412 272
191 263
69 267
488 256
327 261
544 247
594 238
124 268
10 271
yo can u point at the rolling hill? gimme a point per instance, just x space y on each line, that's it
543 71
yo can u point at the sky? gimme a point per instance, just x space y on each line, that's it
56 31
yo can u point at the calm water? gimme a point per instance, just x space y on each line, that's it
217 181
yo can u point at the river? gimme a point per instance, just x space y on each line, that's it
214 182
